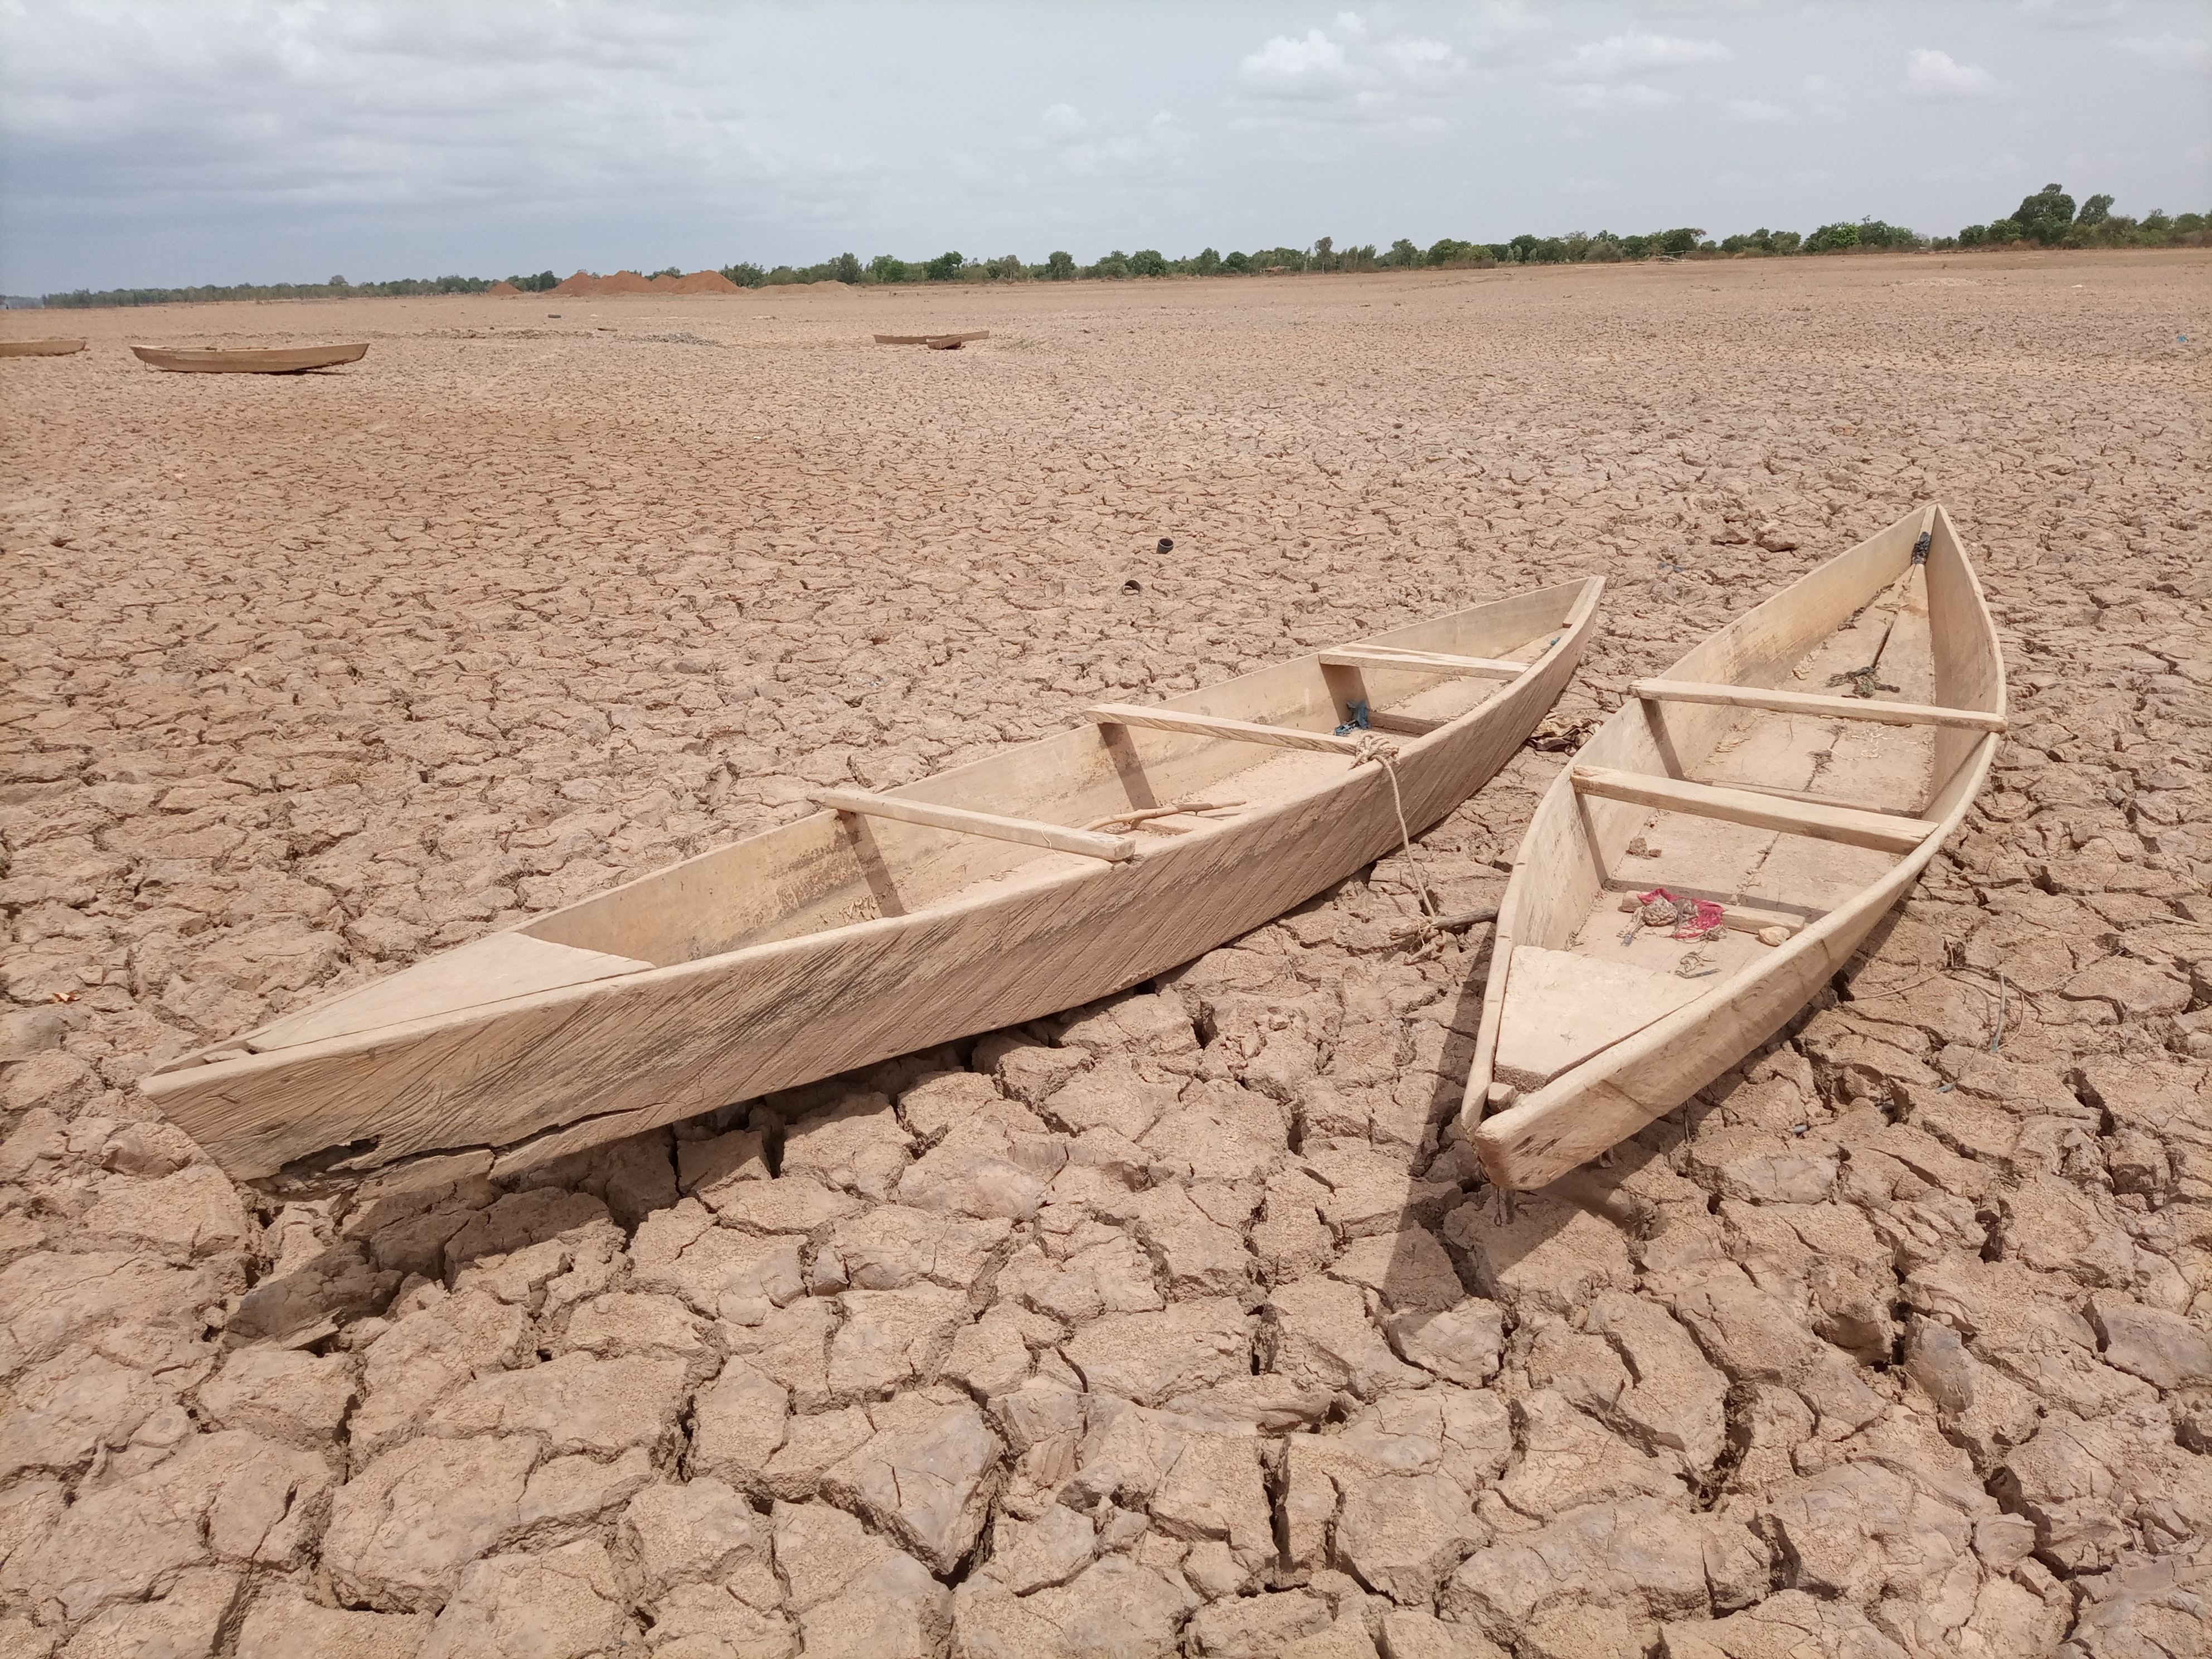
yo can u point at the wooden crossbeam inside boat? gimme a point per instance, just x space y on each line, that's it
1837 823
1402 726
1028 831
1212 725
1804 703
1422 662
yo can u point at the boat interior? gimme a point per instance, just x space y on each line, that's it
1775 816
1113 787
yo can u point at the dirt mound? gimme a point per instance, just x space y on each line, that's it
701 282
577 286
622 282
504 290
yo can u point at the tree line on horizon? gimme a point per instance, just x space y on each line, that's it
2049 218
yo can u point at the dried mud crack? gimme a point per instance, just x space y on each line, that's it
1178 1324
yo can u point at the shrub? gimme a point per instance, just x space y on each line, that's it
1830 238
944 268
782 276
1204 262
1006 268
1682 240
1115 266
885 268
1060 264
669 271
2005 230
847 268
1239 262
1147 262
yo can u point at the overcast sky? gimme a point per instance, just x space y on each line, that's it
172 141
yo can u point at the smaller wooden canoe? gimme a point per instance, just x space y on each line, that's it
1725 841
277 359
40 348
935 342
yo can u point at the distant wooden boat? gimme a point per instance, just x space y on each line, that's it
277 359
1015 886
935 342
1742 780
40 348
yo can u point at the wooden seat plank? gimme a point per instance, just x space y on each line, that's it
1805 703
1422 662
1213 725
1844 824
1029 832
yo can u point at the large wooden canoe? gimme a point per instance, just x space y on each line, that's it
1756 777
1002 890
40 348
274 360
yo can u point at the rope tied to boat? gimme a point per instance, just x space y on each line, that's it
1374 746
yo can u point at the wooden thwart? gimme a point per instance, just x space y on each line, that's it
1212 725
1028 831
1845 824
1803 703
1423 662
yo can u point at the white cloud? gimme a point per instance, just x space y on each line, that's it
1599 94
1347 75
2170 51
1597 75
1312 68
1932 74
1756 109
1089 146
1619 56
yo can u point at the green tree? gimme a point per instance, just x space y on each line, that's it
2094 211
1147 262
1830 238
1239 262
744 274
944 268
888 268
1115 266
1006 268
2007 230
846 268
2045 216
1682 240
1058 264
1323 257
669 270
1204 262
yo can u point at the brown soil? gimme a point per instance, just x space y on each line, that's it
1179 1324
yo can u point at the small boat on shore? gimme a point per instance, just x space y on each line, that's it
273 360
40 348
935 342
1026 883
1726 840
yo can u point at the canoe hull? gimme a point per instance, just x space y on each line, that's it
40 348
570 1068
285 360
1580 1113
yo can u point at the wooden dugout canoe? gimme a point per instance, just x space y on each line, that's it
935 342
274 360
957 904
1761 789
40 348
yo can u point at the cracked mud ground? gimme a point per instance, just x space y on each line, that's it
1179 1324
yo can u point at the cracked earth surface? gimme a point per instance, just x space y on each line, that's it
1180 1324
